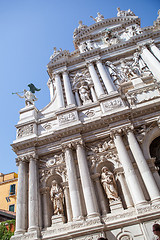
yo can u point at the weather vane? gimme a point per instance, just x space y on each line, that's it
28 95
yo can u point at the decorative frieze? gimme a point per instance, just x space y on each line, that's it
25 131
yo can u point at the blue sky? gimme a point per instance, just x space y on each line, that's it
29 31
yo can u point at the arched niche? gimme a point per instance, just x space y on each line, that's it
155 152
148 139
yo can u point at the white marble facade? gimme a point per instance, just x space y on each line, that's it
88 162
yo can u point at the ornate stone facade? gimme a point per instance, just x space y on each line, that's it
88 162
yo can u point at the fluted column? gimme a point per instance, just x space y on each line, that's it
125 190
73 184
152 63
33 194
97 84
143 166
105 77
102 201
131 178
87 186
68 89
155 50
22 199
60 98
44 193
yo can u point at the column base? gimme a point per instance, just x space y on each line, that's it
155 201
93 215
116 205
57 219
19 232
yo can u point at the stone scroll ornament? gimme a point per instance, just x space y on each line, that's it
28 95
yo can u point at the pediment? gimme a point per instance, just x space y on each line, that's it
111 23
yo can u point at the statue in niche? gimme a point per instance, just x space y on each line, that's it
84 92
99 17
139 63
126 71
109 184
56 195
123 13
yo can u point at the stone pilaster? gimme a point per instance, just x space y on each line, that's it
125 190
44 193
103 205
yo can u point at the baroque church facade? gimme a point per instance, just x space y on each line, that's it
89 161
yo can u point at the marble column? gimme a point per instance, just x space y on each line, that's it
152 63
68 203
50 85
22 198
87 186
155 50
105 77
44 193
131 177
73 184
97 84
59 91
143 167
33 194
125 190
68 89
102 201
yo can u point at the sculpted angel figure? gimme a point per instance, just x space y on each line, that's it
99 17
56 194
29 96
109 184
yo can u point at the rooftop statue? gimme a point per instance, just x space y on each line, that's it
29 96
99 17
80 28
124 13
55 52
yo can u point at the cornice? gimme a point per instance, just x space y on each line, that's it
110 22
110 51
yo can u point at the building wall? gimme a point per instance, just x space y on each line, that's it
7 198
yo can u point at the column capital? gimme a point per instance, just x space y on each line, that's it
128 129
115 132
67 145
89 62
79 142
